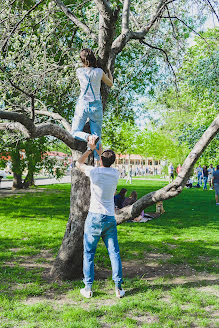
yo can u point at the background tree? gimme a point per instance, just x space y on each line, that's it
38 45
185 117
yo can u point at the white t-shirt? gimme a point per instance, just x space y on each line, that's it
103 183
95 75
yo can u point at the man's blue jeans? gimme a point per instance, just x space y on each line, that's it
84 110
96 226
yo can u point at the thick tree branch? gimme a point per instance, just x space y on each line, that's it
174 188
75 20
104 8
18 23
125 16
14 127
141 34
40 130
120 42
56 117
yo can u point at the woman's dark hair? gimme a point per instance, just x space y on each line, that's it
134 195
88 58
123 192
108 157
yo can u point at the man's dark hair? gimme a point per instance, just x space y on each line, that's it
108 157
217 167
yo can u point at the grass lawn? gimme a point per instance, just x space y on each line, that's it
170 265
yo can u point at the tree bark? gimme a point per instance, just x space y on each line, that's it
29 180
17 181
68 263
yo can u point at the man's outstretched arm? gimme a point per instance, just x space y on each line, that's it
80 162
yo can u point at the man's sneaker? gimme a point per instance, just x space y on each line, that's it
86 293
217 204
120 293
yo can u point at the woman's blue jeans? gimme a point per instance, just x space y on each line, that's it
205 183
96 226
88 110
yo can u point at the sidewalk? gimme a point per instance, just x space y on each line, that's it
5 184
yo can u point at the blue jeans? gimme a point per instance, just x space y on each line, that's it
200 180
96 226
84 110
205 183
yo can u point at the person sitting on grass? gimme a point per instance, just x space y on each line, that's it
189 183
119 198
100 221
215 183
131 199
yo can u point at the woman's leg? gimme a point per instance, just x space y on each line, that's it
79 121
96 119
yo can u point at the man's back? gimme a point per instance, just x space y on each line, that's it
103 185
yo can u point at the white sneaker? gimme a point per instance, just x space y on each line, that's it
120 293
217 204
86 293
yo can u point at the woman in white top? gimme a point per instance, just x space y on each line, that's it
89 104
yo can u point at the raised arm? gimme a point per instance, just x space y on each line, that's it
108 80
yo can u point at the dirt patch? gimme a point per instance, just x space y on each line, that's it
144 319
210 290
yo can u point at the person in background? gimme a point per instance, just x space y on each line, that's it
189 183
131 199
119 198
199 175
129 177
205 177
178 169
210 176
215 183
171 172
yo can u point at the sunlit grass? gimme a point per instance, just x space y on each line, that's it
176 289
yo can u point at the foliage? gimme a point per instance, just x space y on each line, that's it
187 115
29 156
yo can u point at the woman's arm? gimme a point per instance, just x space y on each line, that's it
108 80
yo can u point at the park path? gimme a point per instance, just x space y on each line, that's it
66 179
39 182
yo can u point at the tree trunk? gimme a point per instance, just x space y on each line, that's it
29 180
68 263
17 181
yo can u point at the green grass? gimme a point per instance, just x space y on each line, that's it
170 265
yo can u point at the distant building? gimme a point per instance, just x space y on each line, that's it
147 165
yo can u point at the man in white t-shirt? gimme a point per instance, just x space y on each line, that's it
100 221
